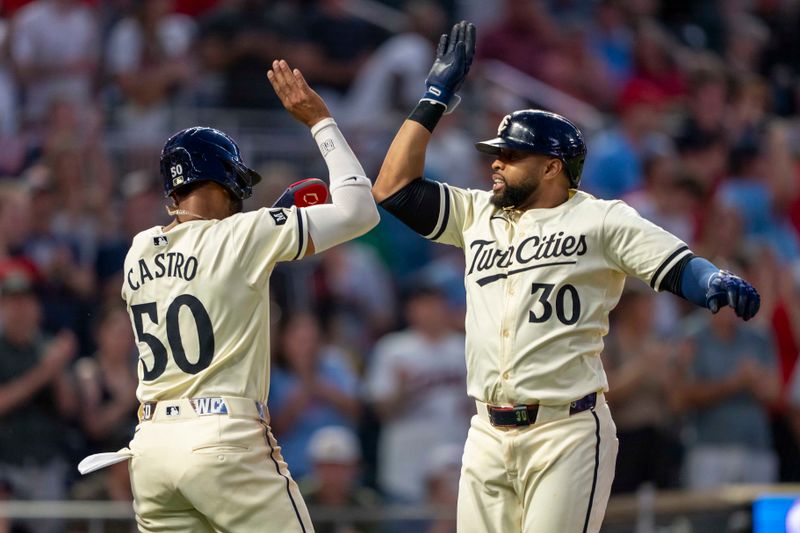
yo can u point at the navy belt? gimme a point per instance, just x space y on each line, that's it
525 415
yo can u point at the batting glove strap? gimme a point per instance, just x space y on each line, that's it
725 288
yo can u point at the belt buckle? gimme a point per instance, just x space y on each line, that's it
521 415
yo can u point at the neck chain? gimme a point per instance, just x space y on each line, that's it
174 211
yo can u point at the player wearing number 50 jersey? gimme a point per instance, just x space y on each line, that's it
545 264
203 457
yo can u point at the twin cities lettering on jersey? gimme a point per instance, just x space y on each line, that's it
533 249
171 264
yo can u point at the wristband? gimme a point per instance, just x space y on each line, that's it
428 114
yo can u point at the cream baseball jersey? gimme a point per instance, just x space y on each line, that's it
549 278
198 300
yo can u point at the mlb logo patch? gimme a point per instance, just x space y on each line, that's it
327 147
279 216
173 410
160 240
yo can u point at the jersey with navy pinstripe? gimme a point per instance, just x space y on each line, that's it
540 285
199 302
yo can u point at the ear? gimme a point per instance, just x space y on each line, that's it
553 168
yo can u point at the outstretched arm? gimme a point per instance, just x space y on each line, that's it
698 280
352 211
405 159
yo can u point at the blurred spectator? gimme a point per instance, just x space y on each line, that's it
655 60
107 383
732 381
703 157
612 40
142 202
392 80
358 298
642 382
750 191
313 388
333 482
67 278
15 218
416 381
441 484
12 156
522 37
237 43
55 48
614 164
335 47
670 199
148 56
707 102
746 40
36 394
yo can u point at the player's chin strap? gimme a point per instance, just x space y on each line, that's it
175 211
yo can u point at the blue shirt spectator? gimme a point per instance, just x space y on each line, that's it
316 389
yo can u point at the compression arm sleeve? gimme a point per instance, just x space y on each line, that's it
352 211
417 205
689 279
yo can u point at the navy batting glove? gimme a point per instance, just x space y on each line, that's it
453 58
726 289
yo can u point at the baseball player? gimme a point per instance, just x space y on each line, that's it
545 264
203 457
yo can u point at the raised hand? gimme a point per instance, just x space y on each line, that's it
296 96
726 289
453 58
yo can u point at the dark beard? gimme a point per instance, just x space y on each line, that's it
514 196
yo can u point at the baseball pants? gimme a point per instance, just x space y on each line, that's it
553 476
216 473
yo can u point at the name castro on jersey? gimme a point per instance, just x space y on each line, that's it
171 265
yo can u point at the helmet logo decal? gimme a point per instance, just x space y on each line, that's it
177 174
503 125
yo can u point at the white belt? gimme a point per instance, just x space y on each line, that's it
164 410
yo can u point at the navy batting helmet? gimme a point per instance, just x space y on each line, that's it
205 154
541 132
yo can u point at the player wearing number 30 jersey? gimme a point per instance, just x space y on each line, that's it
545 264
203 457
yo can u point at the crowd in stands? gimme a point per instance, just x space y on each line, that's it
700 132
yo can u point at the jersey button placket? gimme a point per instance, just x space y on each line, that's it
507 335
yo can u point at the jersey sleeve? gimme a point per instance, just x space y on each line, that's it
435 210
267 236
639 248
455 215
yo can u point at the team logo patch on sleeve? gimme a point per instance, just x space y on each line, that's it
279 216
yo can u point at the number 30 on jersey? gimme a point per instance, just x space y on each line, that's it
566 299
